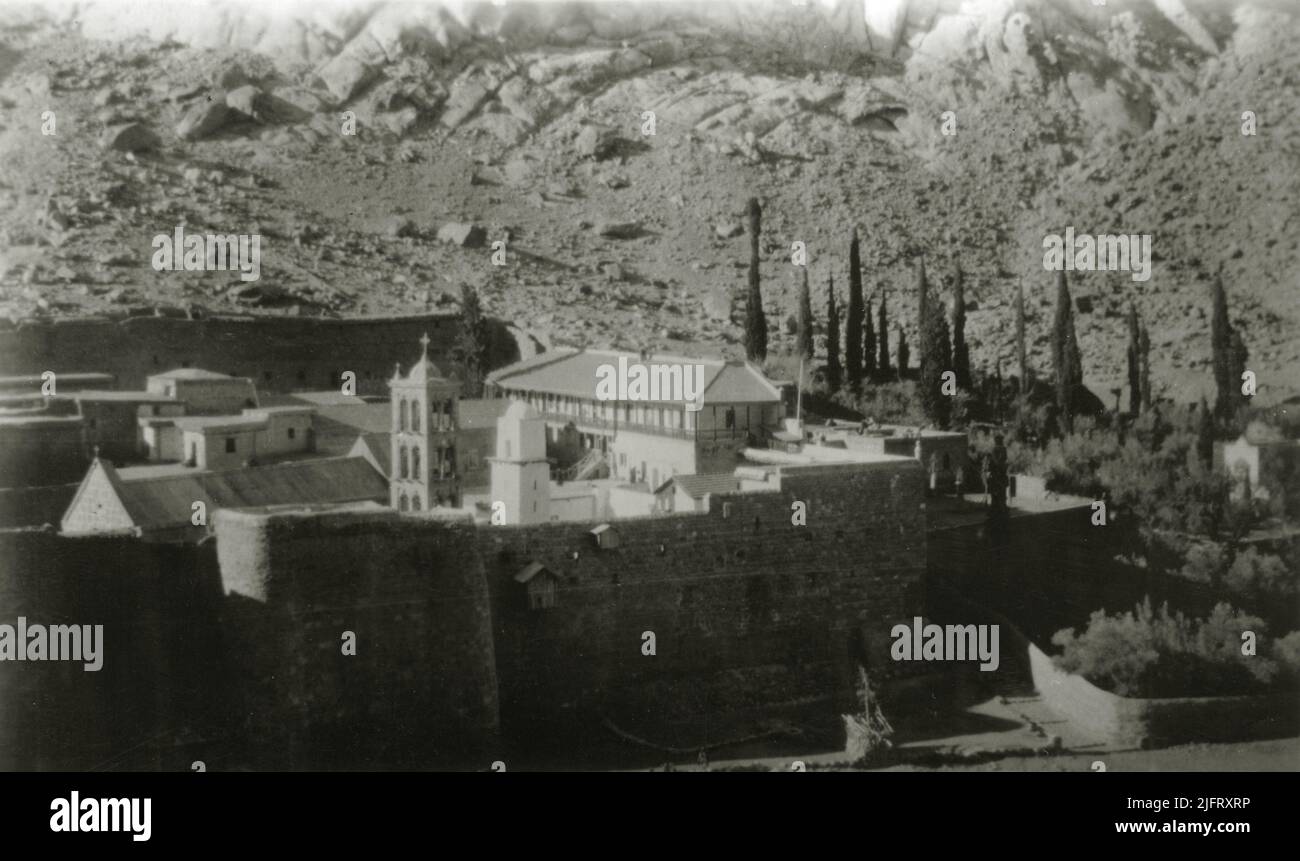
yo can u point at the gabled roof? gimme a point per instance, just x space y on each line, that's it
573 374
698 486
531 570
378 447
165 501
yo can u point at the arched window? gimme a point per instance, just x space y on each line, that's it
415 502
415 416
402 470
415 463
402 503
401 417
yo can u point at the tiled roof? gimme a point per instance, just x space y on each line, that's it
697 486
159 503
574 374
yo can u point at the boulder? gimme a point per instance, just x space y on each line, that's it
463 234
202 120
130 137
596 141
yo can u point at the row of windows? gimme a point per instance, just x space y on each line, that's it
408 465
440 415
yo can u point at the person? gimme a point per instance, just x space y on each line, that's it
704 759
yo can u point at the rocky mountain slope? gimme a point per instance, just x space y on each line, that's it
527 124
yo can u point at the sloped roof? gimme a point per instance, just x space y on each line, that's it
158 503
574 374
479 413
697 486
531 570
380 446
192 374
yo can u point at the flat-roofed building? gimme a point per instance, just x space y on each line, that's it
205 392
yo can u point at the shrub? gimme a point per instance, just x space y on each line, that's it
1144 653
1260 575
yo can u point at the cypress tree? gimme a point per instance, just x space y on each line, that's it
936 354
472 343
853 324
1065 354
1237 358
804 333
1144 349
1021 353
1221 351
868 343
833 369
904 352
755 321
960 350
883 331
1134 362
1205 435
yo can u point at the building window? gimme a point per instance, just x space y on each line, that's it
230 444
415 463
415 502
402 415
415 416
292 433
402 503
402 464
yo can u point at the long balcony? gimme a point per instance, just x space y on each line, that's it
592 424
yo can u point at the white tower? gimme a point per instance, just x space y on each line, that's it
521 475
425 420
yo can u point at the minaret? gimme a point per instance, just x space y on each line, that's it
425 419
521 474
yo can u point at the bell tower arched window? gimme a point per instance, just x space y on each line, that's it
402 464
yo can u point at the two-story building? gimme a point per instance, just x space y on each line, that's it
643 440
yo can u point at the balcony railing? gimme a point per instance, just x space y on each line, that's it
591 423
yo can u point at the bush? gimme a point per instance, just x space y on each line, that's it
1158 654
1261 575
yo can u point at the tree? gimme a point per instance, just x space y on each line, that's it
868 343
853 324
755 321
1229 356
883 364
904 352
1134 362
833 369
1237 359
960 350
1066 362
1144 347
1205 436
472 343
1021 355
804 331
936 353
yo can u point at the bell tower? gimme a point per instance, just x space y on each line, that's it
424 423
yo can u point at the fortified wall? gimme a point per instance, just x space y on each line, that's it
162 684
279 354
747 611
